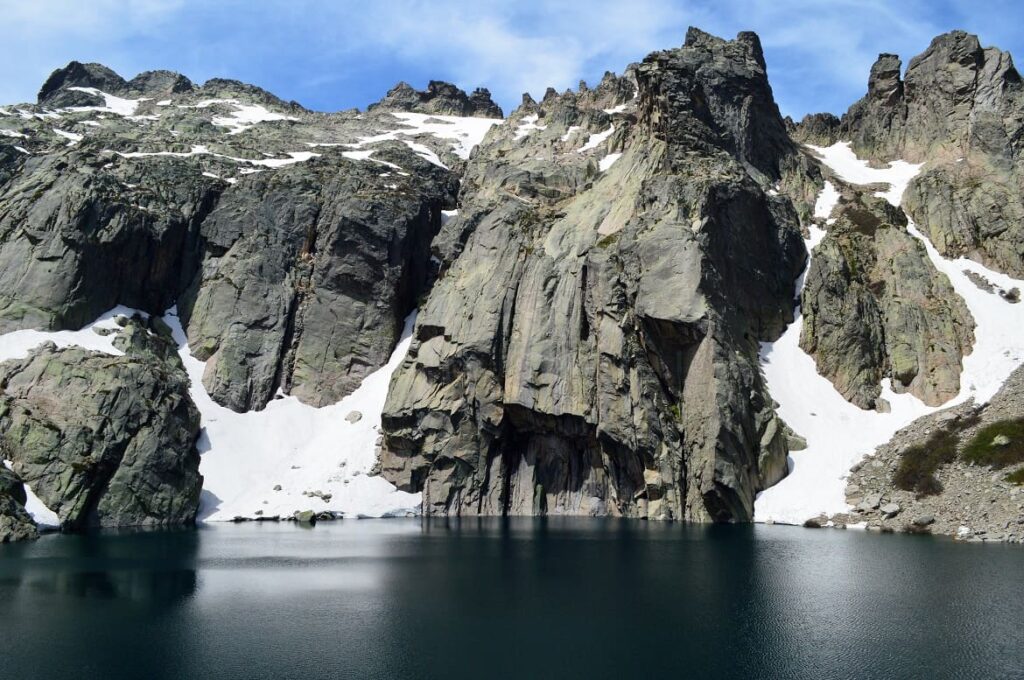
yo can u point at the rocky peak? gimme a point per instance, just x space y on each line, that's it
884 82
227 88
714 90
160 83
956 95
55 92
482 104
441 98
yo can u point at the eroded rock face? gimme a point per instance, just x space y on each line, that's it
73 243
104 440
875 307
591 344
293 251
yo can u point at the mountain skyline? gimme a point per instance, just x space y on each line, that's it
332 57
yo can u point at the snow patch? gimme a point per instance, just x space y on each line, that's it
299 447
12 133
569 132
112 104
242 118
17 344
597 139
528 124
201 150
465 133
74 138
838 433
365 155
608 161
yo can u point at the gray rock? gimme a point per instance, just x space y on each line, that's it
871 502
924 520
353 417
440 98
586 350
875 307
959 108
890 510
102 440
316 266
305 517
15 522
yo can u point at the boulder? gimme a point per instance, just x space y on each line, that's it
103 440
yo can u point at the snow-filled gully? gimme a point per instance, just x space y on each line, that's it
245 457
838 433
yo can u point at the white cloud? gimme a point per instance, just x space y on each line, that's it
325 52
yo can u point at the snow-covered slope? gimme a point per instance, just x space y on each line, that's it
838 433
245 456
463 133
302 449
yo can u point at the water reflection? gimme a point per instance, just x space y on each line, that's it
145 567
514 597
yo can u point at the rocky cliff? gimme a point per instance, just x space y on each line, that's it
958 107
597 279
591 344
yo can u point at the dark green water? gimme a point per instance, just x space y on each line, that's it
528 599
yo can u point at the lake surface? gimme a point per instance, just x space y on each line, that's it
502 599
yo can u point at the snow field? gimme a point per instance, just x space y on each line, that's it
838 433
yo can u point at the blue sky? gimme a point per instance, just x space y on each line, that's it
342 54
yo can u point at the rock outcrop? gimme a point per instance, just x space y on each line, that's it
74 243
308 274
591 345
875 307
104 440
15 523
960 107
440 98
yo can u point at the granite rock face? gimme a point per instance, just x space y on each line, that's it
294 259
104 440
591 344
308 274
875 307
593 280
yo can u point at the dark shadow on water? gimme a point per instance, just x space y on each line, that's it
508 598
144 566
